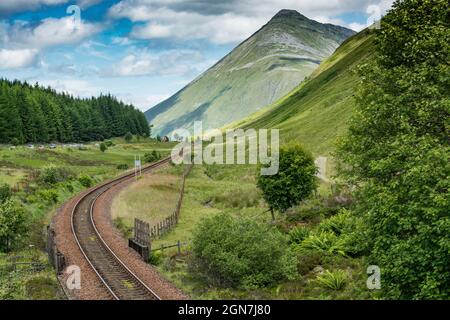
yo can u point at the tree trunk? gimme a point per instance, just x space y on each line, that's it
273 215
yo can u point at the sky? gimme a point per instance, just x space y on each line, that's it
142 51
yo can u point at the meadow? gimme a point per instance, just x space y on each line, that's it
25 170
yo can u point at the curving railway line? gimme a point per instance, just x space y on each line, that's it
120 282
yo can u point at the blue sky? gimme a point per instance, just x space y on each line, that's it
142 51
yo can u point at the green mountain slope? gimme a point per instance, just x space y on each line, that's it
258 72
317 111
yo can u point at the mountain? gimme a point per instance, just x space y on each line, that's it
317 112
258 72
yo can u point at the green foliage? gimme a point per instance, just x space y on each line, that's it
152 156
335 280
108 143
295 180
5 193
15 142
51 175
41 288
238 198
86 181
298 234
13 224
321 242
242 252
50 195
120 224
128 137
211 170
103 147
122 166
397 151
155 258
37 114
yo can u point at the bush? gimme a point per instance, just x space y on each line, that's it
155 258
109 143
52 175
13 224
86 181
334 280
128 137
103 147
152 156
242 252
298 234
50 195
122 166
323 242
15 142
294 182
5 193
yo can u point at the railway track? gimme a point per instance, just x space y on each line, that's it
115 276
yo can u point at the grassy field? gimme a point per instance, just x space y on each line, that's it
211 190
151 198
40 201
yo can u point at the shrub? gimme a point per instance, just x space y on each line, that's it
5 193
50 195
242 252
86 181
155 258
122 166
13 224
15 142
334 280
128 137
108 143
152 156
103 147
323 242
338 224
298 234
294 182
52 175
69 187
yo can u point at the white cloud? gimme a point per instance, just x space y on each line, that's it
50 32
10 6
144 63
10 59
225 21
28 40
87 3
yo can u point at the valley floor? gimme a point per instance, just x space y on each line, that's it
211 190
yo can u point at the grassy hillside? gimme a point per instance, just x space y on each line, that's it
316 112
262 69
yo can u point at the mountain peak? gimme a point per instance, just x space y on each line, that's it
286 13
